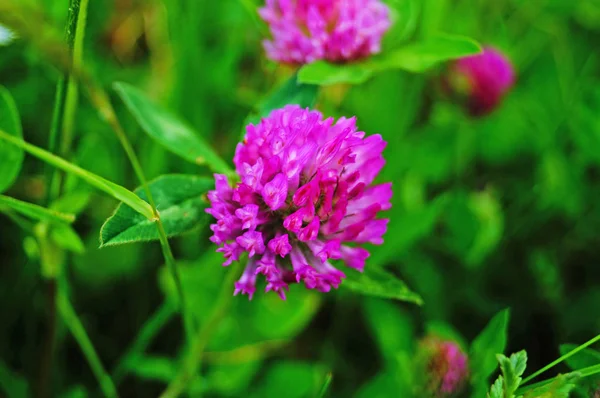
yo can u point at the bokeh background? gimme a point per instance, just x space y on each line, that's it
488 213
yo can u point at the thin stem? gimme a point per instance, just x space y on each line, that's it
67 94
25 225
87 348
562 358
583 372
35 211
326 384
117 191
22 18
65 108
150 329
172 265
193 362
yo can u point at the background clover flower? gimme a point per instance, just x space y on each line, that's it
446 366
484 79
336 30
305 196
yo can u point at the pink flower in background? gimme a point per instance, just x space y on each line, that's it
447 367
485 78
336 30
305 197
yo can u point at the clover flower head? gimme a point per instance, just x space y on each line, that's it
336 30
305 197
487 78
447 366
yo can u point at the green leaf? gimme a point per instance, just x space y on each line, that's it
11 157
72 202
166 129
583 359
379 283
421 56
560 387
290 92
415 57
179 200
497 390
512 370
392 327
12 384
306 378
491 341
34 211
75 392
325 73
66 237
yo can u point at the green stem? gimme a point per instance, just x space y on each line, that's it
562 358
584 372
150 329
23 19
193 362
117 191
104 107
172 265
74 324
25 225
67 95
326 384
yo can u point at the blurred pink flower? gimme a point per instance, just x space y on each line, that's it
336 30
447 367
305 193
485 78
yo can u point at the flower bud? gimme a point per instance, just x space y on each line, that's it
481 80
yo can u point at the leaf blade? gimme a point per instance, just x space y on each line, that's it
380 283
167 130
11 157
491 341
34 211
179 203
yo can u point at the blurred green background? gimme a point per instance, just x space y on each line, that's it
500 211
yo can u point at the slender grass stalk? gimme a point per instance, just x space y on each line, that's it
78 331
150 329
326 384
114 190
562 358
584 372
193 361
34 211
67 94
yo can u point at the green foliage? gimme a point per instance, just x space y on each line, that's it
168 130
560 387
415 57
11 383
180 202
583 359
34 211
380 283
497 211
512 368
11 157
490 342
